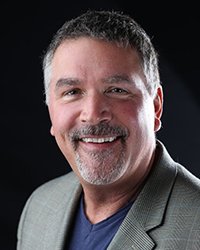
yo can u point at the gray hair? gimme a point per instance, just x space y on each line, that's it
110 26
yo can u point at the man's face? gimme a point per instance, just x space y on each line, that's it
103 118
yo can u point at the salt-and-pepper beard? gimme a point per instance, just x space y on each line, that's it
102 171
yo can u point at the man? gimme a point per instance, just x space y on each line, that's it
105 103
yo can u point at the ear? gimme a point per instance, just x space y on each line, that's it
158 107
52 131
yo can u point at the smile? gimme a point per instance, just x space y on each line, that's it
99 140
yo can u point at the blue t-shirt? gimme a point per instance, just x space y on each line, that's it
88 236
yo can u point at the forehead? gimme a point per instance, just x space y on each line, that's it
94 49
86 57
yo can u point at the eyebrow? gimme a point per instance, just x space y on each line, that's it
118 79
67 82
114 79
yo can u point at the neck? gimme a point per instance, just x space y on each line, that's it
100 202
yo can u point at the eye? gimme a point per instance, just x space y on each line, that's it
72 92
117 91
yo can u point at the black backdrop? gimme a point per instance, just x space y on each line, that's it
29 155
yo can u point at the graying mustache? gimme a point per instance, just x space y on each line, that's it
98 130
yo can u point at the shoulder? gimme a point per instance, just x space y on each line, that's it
186 187
45 210
57 185
52 192
183 175
187 184
48 200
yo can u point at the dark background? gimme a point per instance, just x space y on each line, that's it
29 155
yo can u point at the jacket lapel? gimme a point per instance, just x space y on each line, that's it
148 209
131 235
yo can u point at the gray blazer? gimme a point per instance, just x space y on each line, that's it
165 215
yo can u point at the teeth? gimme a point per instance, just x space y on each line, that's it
99 140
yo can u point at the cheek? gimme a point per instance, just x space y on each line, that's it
127 113
138 118
62 120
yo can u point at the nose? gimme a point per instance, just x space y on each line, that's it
95 109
